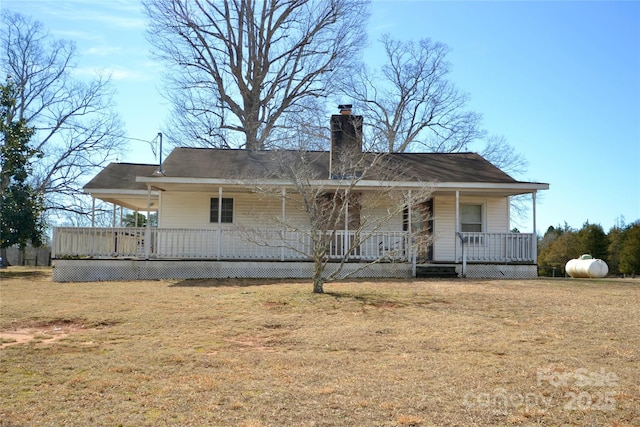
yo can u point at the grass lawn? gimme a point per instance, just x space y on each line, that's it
367 353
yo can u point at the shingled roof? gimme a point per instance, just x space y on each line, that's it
209 163
221 164
121 176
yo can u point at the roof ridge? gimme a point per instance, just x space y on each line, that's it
327 151
134 164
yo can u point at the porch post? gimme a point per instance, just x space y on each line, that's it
93 212
115 209
509 213
411 245
345 246
457 226
219 232
284 226
534 240
121 215
147 231
135 224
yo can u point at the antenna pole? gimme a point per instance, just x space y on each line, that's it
160 154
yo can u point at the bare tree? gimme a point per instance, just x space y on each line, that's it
75 126
410 104
237 68
339 220
501 154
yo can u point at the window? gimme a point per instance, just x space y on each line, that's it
226 216
471 218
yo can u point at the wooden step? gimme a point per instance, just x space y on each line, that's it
436 271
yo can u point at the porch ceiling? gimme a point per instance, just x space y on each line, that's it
136 202
117 184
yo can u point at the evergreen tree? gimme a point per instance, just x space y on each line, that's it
549 237
20 205
630 252
615 237
593 241
557 246
129 220
567 246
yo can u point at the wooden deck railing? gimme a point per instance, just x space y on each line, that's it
237 244
497 247
172 243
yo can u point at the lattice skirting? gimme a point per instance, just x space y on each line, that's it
499 271
111 270
96 270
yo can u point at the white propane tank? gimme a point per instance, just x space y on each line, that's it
586 267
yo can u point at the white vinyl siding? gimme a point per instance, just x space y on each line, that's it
375 214
192 210
185 210
495 219
497 215
444 230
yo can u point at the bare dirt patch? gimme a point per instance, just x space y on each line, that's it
45 332
42 334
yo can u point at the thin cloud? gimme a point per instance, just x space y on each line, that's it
112 20
121 22
75 35
115 14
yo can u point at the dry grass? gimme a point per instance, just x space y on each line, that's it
257 353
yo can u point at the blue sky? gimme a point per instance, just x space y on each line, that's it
559 80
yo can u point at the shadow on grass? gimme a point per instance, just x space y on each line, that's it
380 301
233 282
22 274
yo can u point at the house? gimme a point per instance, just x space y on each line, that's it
215 220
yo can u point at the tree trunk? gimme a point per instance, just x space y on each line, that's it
318 281
318 287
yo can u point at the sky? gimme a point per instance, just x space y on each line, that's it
559 80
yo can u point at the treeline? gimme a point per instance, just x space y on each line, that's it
619 248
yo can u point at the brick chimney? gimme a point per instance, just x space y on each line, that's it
346 143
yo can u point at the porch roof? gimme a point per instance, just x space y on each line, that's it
116 183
